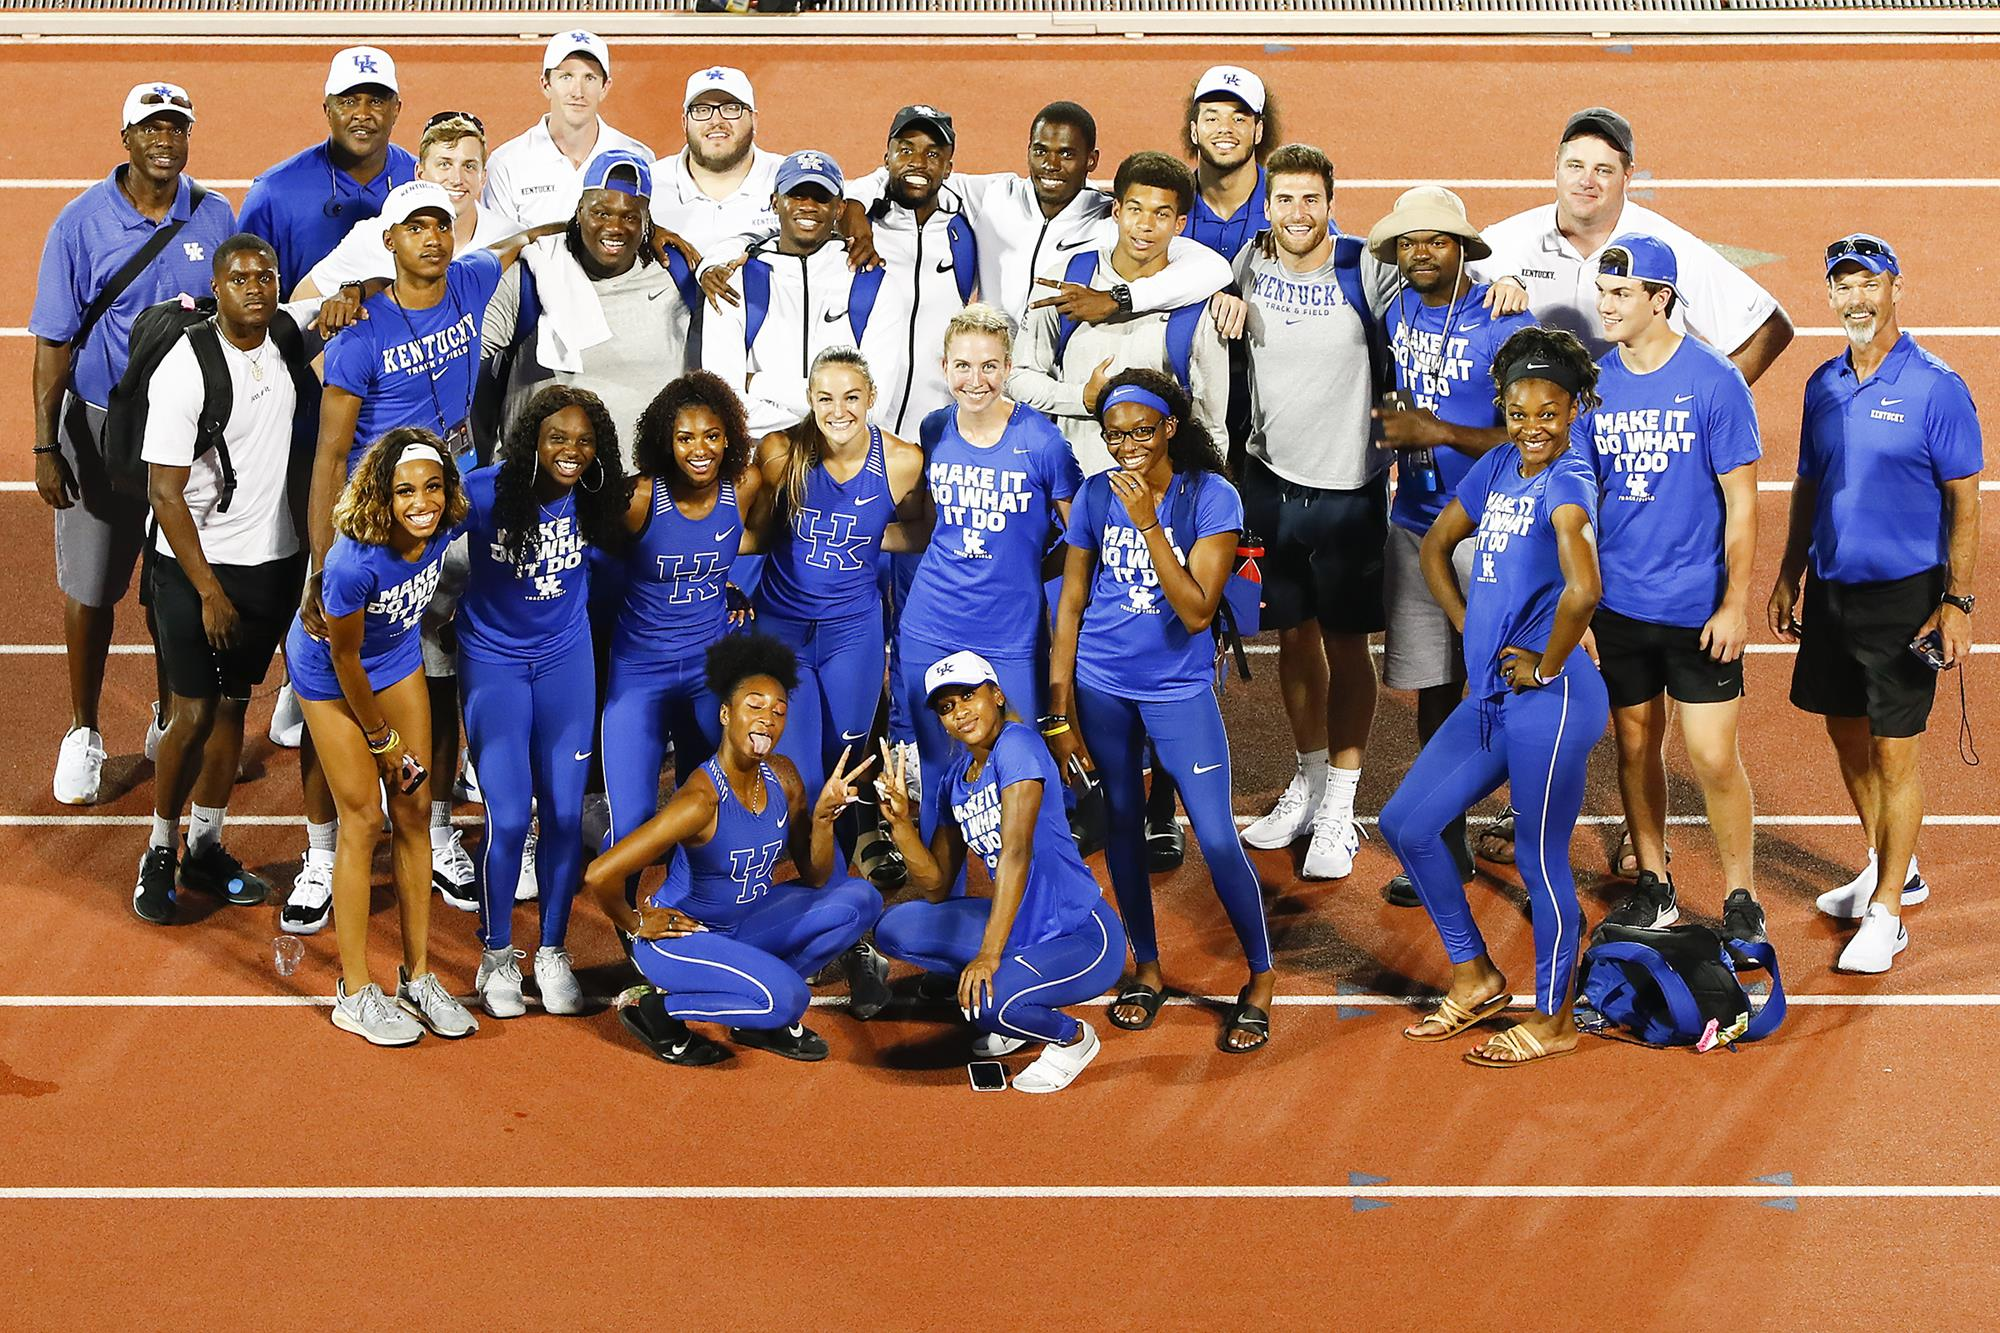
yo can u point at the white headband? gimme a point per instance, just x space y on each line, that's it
416 452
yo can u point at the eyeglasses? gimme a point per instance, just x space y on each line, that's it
1138 435
443 116
702 111
1860 245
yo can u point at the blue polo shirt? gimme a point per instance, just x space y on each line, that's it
1880 451
93 237
304 206
1226 235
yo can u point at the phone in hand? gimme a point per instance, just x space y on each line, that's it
987 1076
1930 651
412 774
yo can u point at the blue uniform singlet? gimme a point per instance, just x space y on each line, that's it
824 566
675 576
729 873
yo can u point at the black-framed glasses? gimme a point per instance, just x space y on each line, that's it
1138 435
1869 246
443 116
702 111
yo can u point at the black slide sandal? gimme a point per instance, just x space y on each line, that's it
797 1042
1146 997
666 1036
1245 1017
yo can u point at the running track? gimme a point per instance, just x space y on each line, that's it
192 1143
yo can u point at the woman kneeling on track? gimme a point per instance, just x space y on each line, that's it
1151 544
1046 938
1534 705
718 938
526 674
360 681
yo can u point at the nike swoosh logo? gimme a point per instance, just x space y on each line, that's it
866 500
854 735
582 755
1019 450
836 315
1300 320
1683 397
654 296
1073 245
1467 328
1890 402
725 534
1198 768
944 266
440 374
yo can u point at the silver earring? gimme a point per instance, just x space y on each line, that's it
597 463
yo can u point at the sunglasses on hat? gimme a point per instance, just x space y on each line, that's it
443 116
1859 245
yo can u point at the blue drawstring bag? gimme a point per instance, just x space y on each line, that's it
1676 987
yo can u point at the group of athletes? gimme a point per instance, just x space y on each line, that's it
905 513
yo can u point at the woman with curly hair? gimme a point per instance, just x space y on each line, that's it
1534 705
360 683
1151 544
687 520
525 663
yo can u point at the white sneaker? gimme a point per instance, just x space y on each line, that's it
1876 944
311 903
466 788
1057 1066
288 720
1330 854
1289 818
79 766
452 875
991 1045
556 979
426 1000
1850 901
367 1013
499 983
153 733
528 887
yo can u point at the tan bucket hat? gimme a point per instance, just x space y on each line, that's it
1426 208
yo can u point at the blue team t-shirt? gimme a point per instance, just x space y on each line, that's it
1516 576
304 206
1659 442
526 612
1131 643
1227 235
391 590
1880 451
980 583
1444 360
1060 892
415 367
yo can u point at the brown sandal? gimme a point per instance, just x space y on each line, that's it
1515 1046
1456 1017
1495 842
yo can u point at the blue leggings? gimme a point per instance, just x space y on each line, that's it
1537 742
752 975
529 726
645 703
840 686
1032 985
1019 680
1188 737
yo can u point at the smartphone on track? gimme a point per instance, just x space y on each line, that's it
987 1076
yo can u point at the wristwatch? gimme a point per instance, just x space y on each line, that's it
1962 603
1123 296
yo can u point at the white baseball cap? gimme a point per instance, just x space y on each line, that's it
413 197
359 65
1232 81
719 79
962 668
147 100
577 43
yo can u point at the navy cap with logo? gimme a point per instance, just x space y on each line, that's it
923 117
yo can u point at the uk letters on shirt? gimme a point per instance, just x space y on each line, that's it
1124 556
403 605
1639 444
977 500
558 549
1504 518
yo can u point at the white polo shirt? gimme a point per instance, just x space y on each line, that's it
529 181
1720 303
716 227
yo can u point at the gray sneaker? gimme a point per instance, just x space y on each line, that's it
434 1006
499 983
556 979
368 1014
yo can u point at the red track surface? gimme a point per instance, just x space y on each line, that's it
274 1097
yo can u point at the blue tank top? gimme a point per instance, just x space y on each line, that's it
675 574
732 870
824 565
526 612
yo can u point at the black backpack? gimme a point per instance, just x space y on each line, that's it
155 332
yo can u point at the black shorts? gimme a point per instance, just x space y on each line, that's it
265 598
1640 659
1323 551
1854 652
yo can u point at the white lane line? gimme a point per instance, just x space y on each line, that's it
57 650
1359 1001
475 821
768 1193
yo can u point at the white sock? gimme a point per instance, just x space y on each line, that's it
1338 803
320 840
205 826
163 832
1312 763
440 824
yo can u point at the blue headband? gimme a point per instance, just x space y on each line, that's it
1133 393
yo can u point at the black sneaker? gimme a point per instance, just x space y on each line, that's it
1166 845
797 1042
1400 892
867 981
1743 918
1649 906
214 870
153 895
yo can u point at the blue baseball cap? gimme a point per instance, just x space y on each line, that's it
1647 258
810 167
621 170
1871 252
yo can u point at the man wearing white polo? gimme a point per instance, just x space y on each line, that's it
538 177
718 188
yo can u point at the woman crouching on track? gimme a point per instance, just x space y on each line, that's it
1151 544
1046 938
360 682
718 938
1535 705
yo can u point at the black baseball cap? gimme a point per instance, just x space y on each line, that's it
923 117
1605 124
